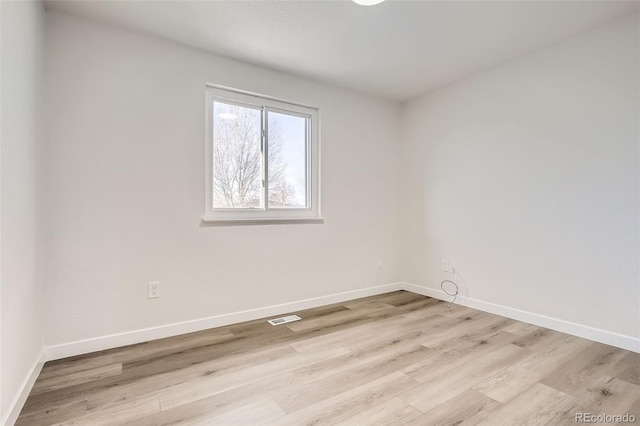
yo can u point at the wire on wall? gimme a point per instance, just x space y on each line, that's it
454 293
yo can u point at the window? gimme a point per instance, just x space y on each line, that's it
262 159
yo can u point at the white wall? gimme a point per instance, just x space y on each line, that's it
21 238
125 186
527 177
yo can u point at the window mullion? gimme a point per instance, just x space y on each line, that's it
307 163
265 160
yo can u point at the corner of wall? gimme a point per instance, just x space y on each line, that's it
14 409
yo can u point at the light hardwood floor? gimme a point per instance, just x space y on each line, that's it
393 359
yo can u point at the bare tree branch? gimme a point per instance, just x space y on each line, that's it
238 161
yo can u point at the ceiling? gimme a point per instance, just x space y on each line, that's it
397 50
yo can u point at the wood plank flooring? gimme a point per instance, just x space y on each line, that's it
393 359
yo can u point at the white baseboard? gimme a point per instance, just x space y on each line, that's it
18 402
610 338
143 335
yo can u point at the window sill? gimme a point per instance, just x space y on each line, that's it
207 221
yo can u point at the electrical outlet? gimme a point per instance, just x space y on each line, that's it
153 290
444 265
452 267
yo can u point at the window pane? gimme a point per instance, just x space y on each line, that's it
287 155
237 157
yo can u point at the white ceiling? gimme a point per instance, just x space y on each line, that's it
398 49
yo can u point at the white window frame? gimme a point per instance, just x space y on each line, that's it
225 216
